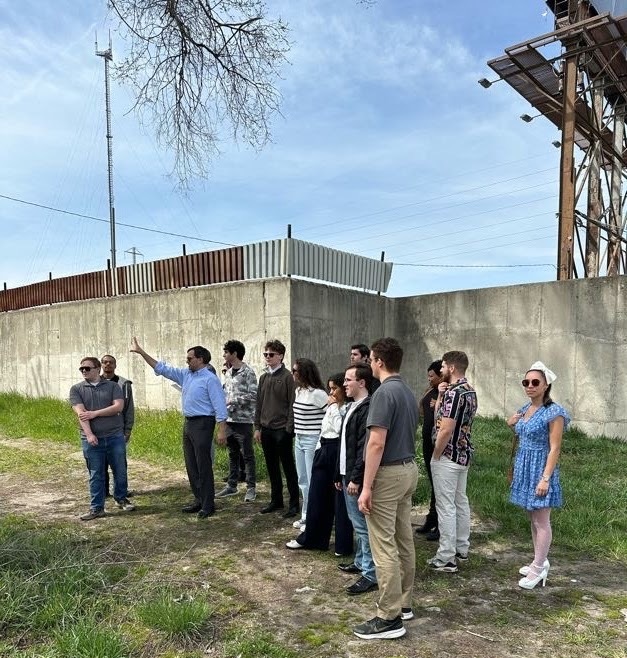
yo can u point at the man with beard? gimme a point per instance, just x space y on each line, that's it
455 410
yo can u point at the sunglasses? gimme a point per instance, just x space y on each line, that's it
269 355
530 382
87 369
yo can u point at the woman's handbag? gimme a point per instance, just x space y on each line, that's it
510 470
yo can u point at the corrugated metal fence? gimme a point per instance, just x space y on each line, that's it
262 260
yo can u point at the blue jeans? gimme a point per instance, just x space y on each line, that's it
363 555
111 449
304 449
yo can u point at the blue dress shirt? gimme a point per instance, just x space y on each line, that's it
202 393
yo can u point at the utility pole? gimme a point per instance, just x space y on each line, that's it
107 55
133 251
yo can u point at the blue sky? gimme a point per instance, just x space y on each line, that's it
386 142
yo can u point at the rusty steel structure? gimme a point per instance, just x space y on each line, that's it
576 77
261 260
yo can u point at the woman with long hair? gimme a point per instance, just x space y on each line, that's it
310 404
326 503
539 425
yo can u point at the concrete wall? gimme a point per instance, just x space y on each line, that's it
578 328
327 320
40 348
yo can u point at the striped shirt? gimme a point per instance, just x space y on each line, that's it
309 408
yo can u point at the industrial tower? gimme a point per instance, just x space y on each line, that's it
576 77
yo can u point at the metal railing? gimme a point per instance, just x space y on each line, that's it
262 260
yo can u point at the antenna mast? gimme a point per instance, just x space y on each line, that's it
107 55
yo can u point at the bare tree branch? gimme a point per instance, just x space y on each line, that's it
198 68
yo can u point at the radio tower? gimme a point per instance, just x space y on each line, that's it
107 55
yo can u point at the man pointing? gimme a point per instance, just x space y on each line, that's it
203 404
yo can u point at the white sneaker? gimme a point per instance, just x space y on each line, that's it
294 545
298 524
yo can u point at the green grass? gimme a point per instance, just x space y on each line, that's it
592 473
247 644
175 615
593 519
48 579
156 437
67 592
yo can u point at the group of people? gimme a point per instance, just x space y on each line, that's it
347 449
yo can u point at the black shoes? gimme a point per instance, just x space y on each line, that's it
291 511
206 513
380 629
348 567
272 507
362 586
192 508
434 535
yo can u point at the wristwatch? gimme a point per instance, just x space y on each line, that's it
545 479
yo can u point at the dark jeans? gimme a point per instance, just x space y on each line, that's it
326 503
113 450
427 453
278 450
197 440
107 479
239 439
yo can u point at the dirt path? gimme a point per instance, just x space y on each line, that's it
297 597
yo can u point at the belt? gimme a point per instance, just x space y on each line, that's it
400 462
328 439
196 417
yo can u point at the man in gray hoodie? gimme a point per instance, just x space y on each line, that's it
109 365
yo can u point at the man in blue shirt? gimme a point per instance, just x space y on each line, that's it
203 404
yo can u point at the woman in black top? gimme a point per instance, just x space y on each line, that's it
427 409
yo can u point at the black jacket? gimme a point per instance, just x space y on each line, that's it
356 432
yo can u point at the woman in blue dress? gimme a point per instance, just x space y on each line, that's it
536 487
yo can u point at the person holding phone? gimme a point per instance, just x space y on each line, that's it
535 486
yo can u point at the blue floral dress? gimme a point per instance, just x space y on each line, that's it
533 450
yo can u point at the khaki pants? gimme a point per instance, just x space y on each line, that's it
391 536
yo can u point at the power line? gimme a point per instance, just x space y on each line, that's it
437 198
447 221
99 219
432 265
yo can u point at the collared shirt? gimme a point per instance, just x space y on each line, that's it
394 408
460 404
95 396
202 394
240 389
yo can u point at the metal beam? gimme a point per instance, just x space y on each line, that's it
566 224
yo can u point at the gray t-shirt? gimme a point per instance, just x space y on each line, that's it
393 406
99 397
